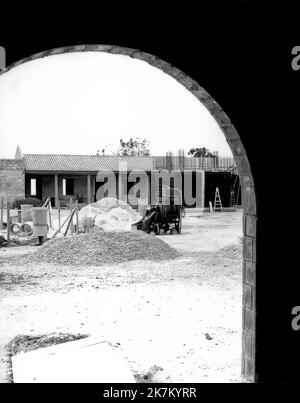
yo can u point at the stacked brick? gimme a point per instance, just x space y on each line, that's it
12 179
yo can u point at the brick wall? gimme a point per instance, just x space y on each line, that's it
12 179
249 279
248 192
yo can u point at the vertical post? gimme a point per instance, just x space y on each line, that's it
50 213
71 208
89 196
1 217
56 189
58 216
77 218
120 185
8 223
149 188
123 171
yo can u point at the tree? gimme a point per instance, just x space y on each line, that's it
132 147
135 147
201 152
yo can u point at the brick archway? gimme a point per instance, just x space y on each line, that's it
243 166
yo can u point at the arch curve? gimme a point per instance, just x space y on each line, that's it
243 167
190 84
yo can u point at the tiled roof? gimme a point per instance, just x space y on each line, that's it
94 163
84 163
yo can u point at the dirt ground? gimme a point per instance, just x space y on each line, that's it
183 316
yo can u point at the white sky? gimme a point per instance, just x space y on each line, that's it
78 103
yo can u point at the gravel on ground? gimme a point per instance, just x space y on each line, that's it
172 320
99 247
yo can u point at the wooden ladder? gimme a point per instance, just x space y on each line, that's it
218 201
232 198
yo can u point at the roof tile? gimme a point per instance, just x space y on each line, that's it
83 163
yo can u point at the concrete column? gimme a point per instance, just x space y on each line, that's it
181 159
89 194
56 190
149 187
123 181
123 186
93 190
118 186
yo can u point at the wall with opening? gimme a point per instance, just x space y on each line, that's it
244 170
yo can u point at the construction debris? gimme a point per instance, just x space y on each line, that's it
27 228
97 248
153 375
109 214
25 343
15 228
3 241
88 360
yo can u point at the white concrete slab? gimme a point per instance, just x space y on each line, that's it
87 360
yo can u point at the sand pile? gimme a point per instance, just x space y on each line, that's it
98 247
109 214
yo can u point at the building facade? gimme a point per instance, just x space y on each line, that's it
63 177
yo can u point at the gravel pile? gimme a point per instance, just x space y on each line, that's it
98 247
25 343
232 252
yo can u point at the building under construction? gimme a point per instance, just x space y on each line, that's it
62 177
